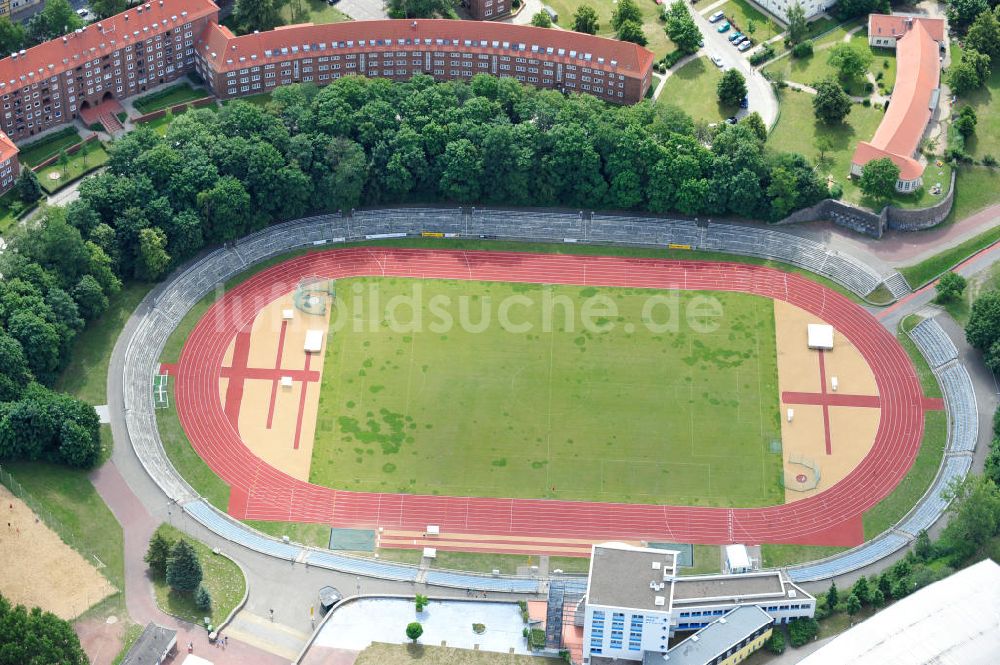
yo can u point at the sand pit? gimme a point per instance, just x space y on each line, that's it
40 569
851 428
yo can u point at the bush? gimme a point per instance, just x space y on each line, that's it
763 55
421 602
776 643
802 49
536 639
800 631
836 190
202 599
989 160
671 58
866 102
414 630
950 287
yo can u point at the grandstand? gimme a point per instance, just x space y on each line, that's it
215 268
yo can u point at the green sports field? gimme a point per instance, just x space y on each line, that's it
618 411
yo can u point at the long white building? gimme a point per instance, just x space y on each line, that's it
636 601
779 8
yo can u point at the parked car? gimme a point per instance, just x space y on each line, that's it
328 597
83 13
737 42
732 120
725 26
733 37
716 17
717 61
745 103
746 46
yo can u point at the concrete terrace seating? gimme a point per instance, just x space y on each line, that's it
360 566
177 296
859 557
933 504
934 343
963 412
481 582
897 285
237 533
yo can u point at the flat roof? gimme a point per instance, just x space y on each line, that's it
728 587
152 643
714 639
314 341
819 336
955 620
620 576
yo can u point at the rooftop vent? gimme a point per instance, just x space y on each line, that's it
722 620
695 638
659 601
656 565
21 52
791 593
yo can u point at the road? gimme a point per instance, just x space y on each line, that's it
760 93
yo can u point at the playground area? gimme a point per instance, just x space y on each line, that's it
40 569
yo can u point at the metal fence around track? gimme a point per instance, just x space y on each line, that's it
184 290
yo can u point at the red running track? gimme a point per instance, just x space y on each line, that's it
261 492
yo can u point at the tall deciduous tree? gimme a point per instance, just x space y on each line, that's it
260 15
625 11
830 103
585 20
631 31
153 257
681 28
732 88
34 637
797 25
878 179
106 8
983 35
850 62
541 20
962 13
12 36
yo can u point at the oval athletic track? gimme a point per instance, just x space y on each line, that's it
261 492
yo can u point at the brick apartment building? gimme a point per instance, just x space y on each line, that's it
487 10
124 55
10 168
611 70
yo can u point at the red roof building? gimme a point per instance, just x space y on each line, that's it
612 70
914 96
10 167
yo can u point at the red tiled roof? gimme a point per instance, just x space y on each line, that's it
99 39
917 77
895 25
7 148
224 51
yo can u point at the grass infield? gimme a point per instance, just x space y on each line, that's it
619 413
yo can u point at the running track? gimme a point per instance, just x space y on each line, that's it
261 492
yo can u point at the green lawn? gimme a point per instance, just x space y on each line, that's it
36 152
424 654
222 578
814 68
797 130
312 11
778 555
186 460
986 140
85 160
86 522
86 376
892 508
11 208
485 562
740 13
652 27
564 410
693 88
980 283
883 60
175 94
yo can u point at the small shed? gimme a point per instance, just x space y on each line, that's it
314 341
153 647
820 336
738 559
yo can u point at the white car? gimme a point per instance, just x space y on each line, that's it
745 46
83 13
717 61
716 17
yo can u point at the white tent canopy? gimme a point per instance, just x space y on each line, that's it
820 336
